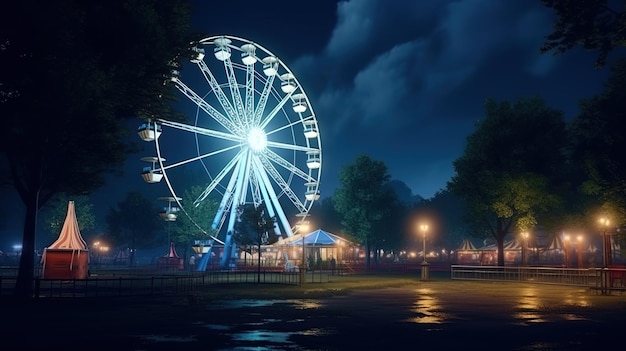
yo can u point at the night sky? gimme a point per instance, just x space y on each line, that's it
402 81
405 81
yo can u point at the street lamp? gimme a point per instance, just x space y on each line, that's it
606 243
424 228
566 239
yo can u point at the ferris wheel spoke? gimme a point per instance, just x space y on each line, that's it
272 195
289 146
199 157
217 90
267 89
245 180
218 178
261 192
227 198
275 110
285 126
249 114
288 166
202 131
280 181
210 110
234 92
255 188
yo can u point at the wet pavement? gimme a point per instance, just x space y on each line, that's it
439 315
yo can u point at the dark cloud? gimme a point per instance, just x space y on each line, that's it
405 81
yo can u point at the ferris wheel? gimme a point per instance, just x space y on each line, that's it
253 138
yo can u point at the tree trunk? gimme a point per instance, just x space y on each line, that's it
500 245
25 275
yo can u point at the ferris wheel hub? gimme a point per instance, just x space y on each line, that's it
257 139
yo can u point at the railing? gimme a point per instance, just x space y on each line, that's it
129 285
602 279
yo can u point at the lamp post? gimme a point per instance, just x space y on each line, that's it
606 258
524 248
566 239
606 243
579 251
424 228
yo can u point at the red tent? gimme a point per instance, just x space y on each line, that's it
68 256
171 260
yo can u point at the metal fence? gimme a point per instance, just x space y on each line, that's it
602 279
129 283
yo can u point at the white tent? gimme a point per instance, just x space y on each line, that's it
466 245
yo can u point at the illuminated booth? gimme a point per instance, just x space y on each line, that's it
68 256
315 246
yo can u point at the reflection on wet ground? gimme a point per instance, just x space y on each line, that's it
449 314
254 331
378 317
428 309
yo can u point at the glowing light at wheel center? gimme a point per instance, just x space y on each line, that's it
257 140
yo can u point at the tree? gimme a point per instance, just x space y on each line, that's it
133 223
190 224
364 200
592 24
598 139
72 73
56 210
255 226
507 173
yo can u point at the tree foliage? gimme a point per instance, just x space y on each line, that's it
591 24
507 173
72 73
254 226
599 142
364 201
190 224
56 210
134 223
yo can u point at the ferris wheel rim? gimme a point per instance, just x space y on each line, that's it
313 178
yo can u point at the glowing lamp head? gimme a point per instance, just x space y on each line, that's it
257 140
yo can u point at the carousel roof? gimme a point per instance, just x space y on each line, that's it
70 237
316 238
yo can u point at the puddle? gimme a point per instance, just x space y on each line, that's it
167 338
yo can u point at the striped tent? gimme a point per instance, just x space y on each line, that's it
466 245
68 256
555 244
